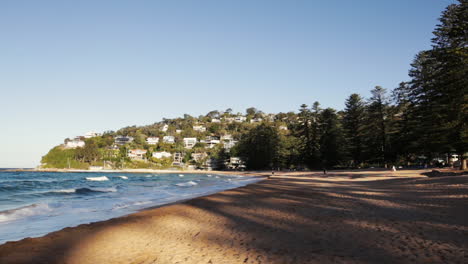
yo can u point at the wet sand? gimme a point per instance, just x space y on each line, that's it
342 217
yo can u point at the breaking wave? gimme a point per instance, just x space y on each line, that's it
102 178
187 184
23 211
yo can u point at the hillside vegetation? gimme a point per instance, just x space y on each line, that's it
421 122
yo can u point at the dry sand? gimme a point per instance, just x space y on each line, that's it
345 217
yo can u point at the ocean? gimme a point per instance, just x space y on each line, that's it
33 204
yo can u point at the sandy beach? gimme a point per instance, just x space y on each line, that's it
301 217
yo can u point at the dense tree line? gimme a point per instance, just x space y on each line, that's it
421 120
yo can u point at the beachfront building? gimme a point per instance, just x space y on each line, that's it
137 154
189 142
211 164
122 140
199 156
169 139
92 134
178 159
74 143
199 128
164 128
152 140
235 163
161 154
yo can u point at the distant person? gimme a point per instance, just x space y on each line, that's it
324 171
393 168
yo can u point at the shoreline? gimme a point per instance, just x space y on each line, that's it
230 172
223 215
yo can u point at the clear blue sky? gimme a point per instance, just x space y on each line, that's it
67 67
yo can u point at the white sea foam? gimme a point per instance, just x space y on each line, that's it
85 190
187 184
104 189
21 212
181 175
102 178
123 177
209 175
65 191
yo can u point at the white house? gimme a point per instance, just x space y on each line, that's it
164 128
138 154
190 142
178 131
210 141
199 128
161 154
178 158
256 120
283 128
226 137
152 140
215 120
169 139
235 163
74 143
240 119
270 117
92 134
229 119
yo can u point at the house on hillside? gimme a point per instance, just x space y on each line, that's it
189 142
240 119
74 143
215 120
229 119
226 137
199 156
211 141
137 154
283 128
164 128
122 140
178 159
228 144
169 139
199 128
256 120
152 140
161 154
228 141
92 134
178 131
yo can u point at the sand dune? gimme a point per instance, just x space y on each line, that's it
346 217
